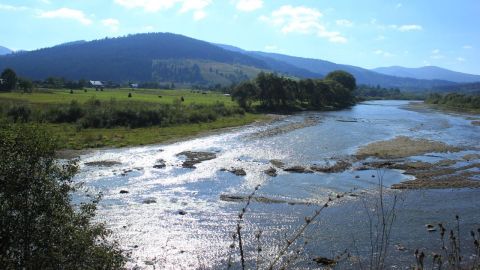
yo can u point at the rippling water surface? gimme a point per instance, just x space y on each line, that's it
189 227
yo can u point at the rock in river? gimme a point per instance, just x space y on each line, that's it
149 201
238 172
160 164
194 158
271 172
298 169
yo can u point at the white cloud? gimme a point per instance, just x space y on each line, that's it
195 6
399 5
12 8
199 15
67 13
149 28
148 5
302 20
467 47
460 59
383 53
113 24
248 5
344 22
409 27
380 37
436 54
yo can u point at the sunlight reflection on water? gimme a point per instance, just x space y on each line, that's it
187 225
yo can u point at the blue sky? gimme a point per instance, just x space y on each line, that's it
366 33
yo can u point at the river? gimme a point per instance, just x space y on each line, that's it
173 217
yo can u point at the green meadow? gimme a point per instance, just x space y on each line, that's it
201 112
63 96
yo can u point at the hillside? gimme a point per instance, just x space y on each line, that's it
118 59
132 58
201 72
158 57
5 50
363 76
467 88
428 73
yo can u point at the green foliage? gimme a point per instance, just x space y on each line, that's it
364 92
279 93
25 85
110 114
245 93
344 78
40 228
9 78
19 113
455 100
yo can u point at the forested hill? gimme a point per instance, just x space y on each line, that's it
4 50
363 76
120 59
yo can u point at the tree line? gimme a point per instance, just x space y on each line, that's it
271 92
455 100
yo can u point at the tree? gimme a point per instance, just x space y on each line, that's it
39 226
344 78
245 93
25 84
9 78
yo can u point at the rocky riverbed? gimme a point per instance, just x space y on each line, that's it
177 205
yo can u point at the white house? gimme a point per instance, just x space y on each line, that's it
97 85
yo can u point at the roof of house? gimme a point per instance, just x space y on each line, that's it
96 83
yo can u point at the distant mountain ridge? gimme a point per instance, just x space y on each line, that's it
131 58
429 73
5 50
363 76
166 57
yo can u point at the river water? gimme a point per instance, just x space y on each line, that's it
187 226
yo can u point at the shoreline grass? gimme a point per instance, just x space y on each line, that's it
196 112
72 139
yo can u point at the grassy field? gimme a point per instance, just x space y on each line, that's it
72 137
63 96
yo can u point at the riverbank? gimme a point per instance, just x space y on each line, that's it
70 138
112 118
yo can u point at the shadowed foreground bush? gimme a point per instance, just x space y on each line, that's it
40 228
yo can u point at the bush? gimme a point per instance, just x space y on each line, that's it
39 226
19 113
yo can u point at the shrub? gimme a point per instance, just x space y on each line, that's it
39 226
19 113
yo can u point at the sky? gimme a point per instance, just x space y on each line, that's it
365 33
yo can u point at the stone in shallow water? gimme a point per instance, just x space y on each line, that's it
160 164
124 191
194 158
271 172
103 163
149 201
238 172
325 261
298 169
